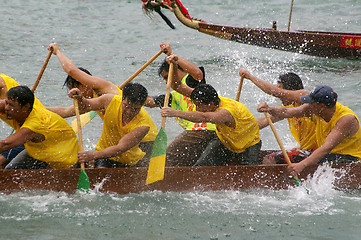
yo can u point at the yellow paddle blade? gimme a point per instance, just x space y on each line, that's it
84 119
157 160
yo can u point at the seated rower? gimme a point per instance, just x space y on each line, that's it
338 132
289 89
236 128
49 140
6 83
188 146
92 87
125 125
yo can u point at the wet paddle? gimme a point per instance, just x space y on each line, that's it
41 72
140 69
157 160
39 77
84 119
87 117
239 89
83 182
297 180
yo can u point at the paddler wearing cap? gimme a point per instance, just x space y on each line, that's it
338 133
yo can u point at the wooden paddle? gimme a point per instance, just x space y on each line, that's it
157 160
239 89
140 69
87 117
41 72
83 182
38 79
290 16
297 180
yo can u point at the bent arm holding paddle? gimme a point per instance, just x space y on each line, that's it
125 143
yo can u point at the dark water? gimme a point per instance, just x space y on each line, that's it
113 39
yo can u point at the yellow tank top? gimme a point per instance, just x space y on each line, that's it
60 147
151 135
113 131
304 131
246 132
348 146
183 103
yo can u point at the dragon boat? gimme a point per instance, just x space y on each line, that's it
176 179
315 43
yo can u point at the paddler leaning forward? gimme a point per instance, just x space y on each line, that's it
93 87
49 140
237 129
338 132
124 126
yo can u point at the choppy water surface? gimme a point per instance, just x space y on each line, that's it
113 39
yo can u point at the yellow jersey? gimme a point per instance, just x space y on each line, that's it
113 131
246 131
60 147
348 146
151 135
304 131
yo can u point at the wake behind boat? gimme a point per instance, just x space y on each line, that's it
315 43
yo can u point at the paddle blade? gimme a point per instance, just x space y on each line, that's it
84 119
157 160
299 184
83 182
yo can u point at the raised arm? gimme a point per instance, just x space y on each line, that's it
283 94
99 85
187 66
177 84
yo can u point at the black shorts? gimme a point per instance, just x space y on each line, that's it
109 163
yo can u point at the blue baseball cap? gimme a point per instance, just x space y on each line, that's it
321 94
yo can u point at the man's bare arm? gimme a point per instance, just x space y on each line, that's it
283 94
220 116
18 138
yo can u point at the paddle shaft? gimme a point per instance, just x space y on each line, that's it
167 92
270 123
289 18
140 69
39 77
239 89
41 72
279 142
80 134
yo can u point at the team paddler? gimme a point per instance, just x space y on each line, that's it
338 132
92 87
237 129
49 140
289 89
188 146
6 83
124 126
